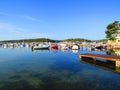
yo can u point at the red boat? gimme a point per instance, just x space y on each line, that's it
54 46
54 49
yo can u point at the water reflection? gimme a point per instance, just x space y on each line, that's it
63 50
40 50
75 51
21 69
110 52
117 52
104 64
54 49
113 52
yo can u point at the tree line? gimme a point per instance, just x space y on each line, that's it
48 40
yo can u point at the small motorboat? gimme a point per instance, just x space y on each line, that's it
63 46
40 46
75 47
54 46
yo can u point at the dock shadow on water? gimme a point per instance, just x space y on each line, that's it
103 64
47 70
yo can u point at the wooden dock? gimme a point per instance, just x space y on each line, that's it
104 57
101 56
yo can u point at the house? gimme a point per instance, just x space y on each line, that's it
118 37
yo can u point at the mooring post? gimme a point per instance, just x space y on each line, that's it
80 56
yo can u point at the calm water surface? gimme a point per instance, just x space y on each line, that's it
24 69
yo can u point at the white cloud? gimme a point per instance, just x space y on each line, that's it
21 16
20 33
10 27
29 18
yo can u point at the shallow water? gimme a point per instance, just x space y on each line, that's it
24 69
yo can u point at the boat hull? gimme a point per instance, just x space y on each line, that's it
41 47
37 48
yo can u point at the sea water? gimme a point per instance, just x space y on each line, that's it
25 69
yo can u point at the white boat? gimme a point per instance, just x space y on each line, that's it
22 45
5 46
27 45
41 46
63 46
75 47
11 45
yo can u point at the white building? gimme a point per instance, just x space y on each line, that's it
118 37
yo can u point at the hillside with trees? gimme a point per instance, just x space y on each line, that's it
48 40
77 39
31 40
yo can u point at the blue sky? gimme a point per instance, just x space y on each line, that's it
57 19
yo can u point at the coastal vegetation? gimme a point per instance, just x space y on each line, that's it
101 40
51 40
112 29
77 39
31 40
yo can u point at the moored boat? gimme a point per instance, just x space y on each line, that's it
63 46
75 47
54 46
41 46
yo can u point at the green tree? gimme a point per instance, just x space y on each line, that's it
112 29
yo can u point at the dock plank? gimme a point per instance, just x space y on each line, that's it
102 56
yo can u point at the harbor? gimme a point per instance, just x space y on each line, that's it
59 45
36 69
39 65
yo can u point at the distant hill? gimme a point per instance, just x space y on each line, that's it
101 40
51 40
31 40
77 39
